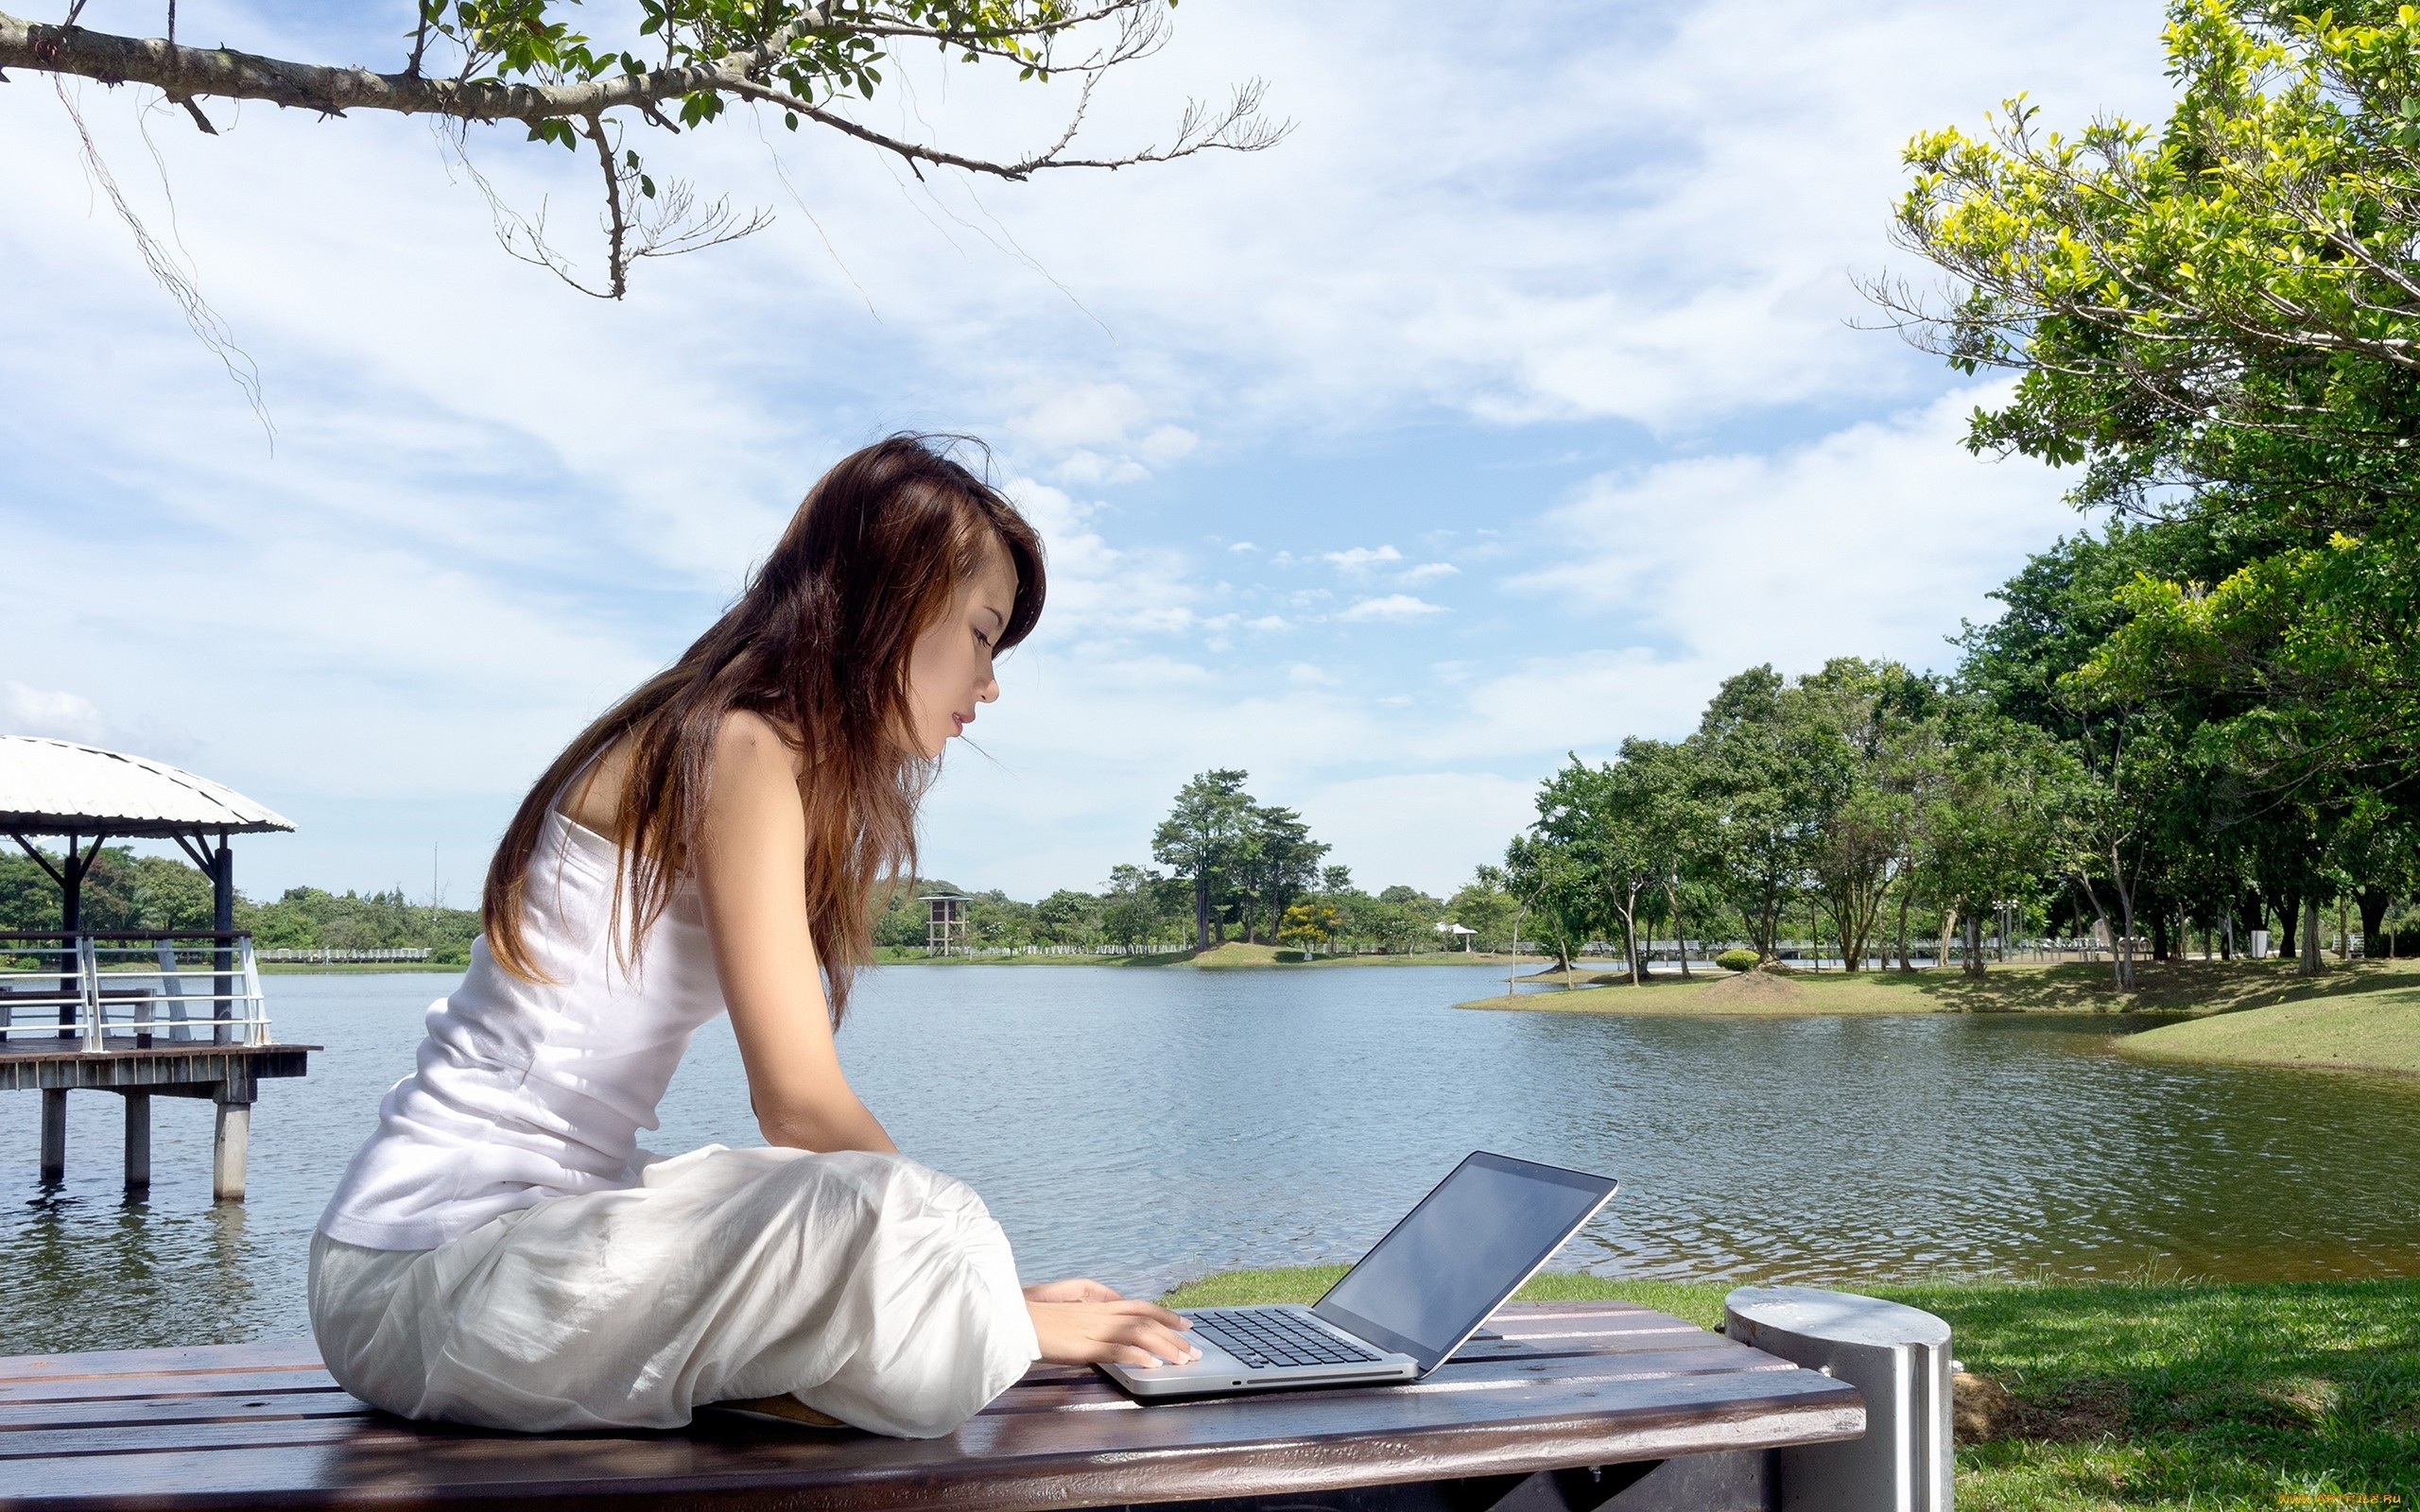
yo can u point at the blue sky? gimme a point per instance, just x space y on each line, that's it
1502 410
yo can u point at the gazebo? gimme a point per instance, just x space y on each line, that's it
946 922
108 999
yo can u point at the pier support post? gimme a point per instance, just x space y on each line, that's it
54 1134
138 1142
228 1149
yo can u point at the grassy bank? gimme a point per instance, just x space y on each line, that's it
2163 1394
2171 986
2377 1031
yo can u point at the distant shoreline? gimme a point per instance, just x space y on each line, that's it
2357 1015
1232 955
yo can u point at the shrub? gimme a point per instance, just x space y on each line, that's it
1738 960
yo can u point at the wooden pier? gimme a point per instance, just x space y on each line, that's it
227 1074
143 1014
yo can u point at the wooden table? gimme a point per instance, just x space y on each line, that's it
1669 1414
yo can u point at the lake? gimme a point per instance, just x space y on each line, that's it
1148 1124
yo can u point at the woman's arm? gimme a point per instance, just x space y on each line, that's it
750 865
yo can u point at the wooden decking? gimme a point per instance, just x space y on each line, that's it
1564 1386
193 1068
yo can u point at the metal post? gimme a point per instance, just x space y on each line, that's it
1897 1358
88 971
54 1135
222 919
70 918
138 1142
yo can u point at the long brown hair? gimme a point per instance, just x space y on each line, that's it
818 644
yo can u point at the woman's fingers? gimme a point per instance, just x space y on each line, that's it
1128 1331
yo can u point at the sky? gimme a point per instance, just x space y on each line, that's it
1518 396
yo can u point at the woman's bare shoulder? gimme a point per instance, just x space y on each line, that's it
751 748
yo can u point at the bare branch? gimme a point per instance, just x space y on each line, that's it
204 321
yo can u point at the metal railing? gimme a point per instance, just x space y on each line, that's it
114 990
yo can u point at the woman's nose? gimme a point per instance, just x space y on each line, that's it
988 691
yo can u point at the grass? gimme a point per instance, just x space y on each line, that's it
2161 987
2152 1395
2379 1030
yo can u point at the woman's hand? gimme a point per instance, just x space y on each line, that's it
1080 1289
1119 1333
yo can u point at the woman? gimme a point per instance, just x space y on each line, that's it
501 1251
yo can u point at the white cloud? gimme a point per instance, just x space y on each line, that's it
1392 607
1874 541
48 711
1358 559
1427 572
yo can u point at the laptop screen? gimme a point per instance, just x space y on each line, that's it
1454 1259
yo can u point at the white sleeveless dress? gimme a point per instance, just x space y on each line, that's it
502 1252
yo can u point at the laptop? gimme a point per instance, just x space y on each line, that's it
1410 1302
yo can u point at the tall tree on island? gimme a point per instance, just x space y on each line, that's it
1207 838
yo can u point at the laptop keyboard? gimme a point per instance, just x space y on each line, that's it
1259 1336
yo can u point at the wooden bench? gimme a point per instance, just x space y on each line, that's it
1578 1405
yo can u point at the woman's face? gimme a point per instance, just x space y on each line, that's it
949 669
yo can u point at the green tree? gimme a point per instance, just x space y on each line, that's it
1136 906
1761 803
1067 917
1282 862
1558 892
1207 838
1484 904
2216 321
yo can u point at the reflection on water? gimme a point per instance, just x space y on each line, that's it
1145 1126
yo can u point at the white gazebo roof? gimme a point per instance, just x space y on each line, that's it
59 787
1453 929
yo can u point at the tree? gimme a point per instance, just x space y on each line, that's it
1853 718
1555 890
1991 825
1761 806
1206 838
1134 905
1307 926
489 61
1284 862
1067 917
1486 905
2219 320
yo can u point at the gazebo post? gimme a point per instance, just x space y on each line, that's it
222 919
71 918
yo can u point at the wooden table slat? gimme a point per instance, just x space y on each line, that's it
250 1425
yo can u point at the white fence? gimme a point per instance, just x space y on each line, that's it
107 990
285 954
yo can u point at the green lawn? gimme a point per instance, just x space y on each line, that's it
2378 1030
2334 1008
2121 1395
